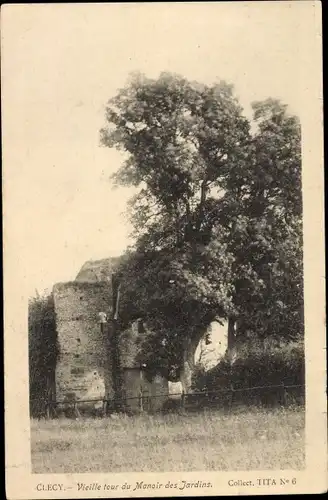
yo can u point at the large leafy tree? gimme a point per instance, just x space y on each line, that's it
179 150
217 215
270 299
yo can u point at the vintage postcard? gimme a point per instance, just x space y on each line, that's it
164 278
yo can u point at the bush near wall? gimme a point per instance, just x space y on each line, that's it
257 365
43 353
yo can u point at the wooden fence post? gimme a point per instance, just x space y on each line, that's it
48 410
183 400
104 407
140 401
231 397
284 394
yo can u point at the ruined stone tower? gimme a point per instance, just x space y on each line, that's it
84 370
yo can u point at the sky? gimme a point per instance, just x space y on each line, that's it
61 63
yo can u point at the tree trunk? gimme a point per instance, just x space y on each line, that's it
203 192
231 335
188 358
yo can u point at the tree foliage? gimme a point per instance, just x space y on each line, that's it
271 363
270 298
218 215
43 351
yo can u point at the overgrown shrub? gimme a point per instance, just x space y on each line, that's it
257 365
43 353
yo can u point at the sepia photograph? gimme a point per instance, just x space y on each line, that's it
156 172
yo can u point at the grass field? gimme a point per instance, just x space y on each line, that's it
213 440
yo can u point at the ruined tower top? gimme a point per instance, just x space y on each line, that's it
98 270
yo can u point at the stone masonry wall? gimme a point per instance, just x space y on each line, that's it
84 367
83 370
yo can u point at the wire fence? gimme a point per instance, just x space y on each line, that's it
227 399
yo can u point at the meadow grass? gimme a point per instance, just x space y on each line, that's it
210 440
